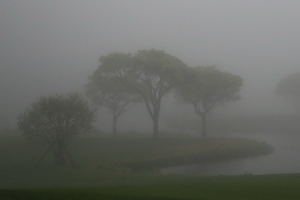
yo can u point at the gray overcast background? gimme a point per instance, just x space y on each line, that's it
49 47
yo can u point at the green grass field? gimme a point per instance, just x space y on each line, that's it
125 168
271 187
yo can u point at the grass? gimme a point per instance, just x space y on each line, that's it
273 187
130 153
125 168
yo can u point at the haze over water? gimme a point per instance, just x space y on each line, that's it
285 159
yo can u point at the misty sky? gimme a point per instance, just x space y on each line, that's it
49 47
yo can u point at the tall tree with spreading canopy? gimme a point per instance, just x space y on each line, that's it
111 93
55 120
205 87
289 87
150 73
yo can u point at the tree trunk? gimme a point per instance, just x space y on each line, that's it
71 160
115 118
155 127
38 162
203 117
60 157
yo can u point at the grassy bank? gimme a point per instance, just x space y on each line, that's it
124 168
131 153
113 161
275 187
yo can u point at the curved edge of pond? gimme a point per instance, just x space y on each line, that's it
212 156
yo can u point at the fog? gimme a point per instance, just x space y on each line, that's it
49 47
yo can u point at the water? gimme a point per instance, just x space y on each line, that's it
284 159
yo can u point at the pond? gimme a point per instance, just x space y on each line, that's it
284 159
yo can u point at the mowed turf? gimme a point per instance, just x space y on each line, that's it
268 187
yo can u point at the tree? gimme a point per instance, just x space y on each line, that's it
205 87
108 92
55 120
150 73
289 87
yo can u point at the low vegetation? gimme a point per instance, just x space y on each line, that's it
115 169
275 187
106 161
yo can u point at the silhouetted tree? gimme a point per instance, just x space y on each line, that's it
205 87
150 73
109 92
55 120
289 87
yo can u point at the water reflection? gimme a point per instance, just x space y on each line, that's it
284 159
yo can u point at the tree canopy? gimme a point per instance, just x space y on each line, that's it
289 87
109 92
150 73
55 120
205 87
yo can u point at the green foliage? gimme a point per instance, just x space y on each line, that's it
55 120
205 87
159 72
289 87
68 116
110 92
157 68
150 73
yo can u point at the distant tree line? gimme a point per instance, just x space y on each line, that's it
289 87
119 83
122 80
